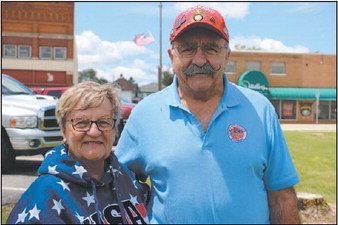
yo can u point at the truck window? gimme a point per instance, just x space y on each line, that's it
56 93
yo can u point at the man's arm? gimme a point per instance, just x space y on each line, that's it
283 206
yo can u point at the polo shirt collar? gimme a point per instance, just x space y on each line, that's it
230 96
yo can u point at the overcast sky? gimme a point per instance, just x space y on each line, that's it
105 30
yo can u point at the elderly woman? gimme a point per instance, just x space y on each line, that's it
81 180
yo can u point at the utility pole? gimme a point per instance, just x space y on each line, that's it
160 67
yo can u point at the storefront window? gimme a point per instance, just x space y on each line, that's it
327 110
333 110
323 110
276 104
288 109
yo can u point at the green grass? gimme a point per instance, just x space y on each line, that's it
314 157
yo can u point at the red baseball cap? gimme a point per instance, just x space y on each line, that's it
199 16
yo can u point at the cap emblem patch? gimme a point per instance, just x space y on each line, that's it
198 17
180 22
236 133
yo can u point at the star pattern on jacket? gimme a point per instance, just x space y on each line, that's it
64 185
63 151
52 169
57 206
89 199
71 196
133 200
136 184
49 153
80 218
80 170
118 171
34 212
22 216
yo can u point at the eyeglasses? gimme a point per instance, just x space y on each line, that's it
83 125
190 49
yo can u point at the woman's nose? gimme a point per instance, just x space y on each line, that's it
94 130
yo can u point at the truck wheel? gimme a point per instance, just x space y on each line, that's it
7 154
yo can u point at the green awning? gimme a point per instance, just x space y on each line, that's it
325 94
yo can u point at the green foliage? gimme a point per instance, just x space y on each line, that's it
314 156
90 74
5 211
167 78
131 80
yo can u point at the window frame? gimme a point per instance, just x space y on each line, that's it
257 62
276 73
10 56
234 67
29 51
51 53
64 55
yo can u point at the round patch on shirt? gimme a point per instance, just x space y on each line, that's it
236 133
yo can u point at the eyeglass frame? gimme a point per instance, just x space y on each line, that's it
203 46
91 123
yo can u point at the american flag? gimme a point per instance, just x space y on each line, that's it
143 39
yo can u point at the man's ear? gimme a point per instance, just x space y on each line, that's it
228 54
171 54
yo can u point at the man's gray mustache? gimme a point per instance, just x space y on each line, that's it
205 69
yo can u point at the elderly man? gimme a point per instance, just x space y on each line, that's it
214 151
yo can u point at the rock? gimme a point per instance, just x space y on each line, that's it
306 200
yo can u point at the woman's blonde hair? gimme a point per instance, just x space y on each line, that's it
91 95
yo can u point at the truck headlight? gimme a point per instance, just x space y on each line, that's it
24 121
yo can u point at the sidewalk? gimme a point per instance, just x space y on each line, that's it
310 127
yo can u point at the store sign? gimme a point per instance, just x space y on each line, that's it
255 80
306 109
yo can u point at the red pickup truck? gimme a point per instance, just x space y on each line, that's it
58 91
53 91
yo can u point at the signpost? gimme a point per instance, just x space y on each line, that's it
317 105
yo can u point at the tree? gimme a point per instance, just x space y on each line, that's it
167 78
131 80
90 74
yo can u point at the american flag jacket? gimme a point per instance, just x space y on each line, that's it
65 192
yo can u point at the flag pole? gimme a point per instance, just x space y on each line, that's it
160 67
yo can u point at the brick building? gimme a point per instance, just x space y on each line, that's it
38 43
298 85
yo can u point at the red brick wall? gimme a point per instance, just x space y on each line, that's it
302 70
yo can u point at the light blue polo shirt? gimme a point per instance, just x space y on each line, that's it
217 176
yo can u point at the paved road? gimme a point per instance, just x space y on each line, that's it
17 181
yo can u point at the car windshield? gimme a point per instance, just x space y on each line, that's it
12 86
